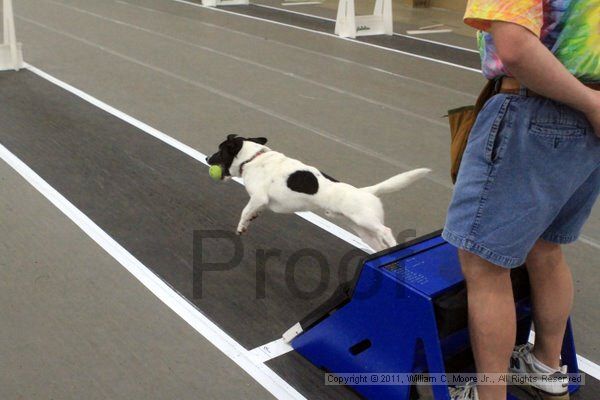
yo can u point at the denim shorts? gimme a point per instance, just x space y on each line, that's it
531 170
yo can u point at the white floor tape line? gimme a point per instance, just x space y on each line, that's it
586 366
589 241
225 343
271 350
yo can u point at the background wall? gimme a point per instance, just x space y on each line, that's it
455 5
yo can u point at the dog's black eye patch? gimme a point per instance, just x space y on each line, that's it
303 182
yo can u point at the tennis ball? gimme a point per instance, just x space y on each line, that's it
215 172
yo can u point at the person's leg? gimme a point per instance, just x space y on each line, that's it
525 174
552 298
492 319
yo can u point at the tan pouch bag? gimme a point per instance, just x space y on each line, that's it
461 121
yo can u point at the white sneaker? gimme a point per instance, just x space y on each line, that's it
466 392
523 361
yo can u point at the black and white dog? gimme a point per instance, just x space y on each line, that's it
285 185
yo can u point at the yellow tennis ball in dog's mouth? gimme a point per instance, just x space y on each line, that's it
215 172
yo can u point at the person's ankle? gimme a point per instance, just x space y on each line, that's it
544 360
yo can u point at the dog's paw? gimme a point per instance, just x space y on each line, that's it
241 230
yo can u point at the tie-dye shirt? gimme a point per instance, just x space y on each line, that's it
569 28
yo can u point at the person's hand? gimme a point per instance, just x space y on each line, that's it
593 113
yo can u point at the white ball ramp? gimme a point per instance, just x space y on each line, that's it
348 24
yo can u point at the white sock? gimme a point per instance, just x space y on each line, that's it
541 366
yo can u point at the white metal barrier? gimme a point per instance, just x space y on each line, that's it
215 3
348 24
11 56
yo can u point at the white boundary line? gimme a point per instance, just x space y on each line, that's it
587 366
395 33
226 344
216 9
589 241
272 350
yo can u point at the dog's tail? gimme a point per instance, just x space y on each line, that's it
397 182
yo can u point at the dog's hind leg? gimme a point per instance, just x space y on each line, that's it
369 237
250 212
379 235
388 237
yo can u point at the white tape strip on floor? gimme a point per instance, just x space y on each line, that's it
225 343
589 241
586 365
271 350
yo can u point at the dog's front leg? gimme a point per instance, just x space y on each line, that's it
250 212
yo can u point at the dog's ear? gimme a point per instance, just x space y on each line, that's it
259 140
231 136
